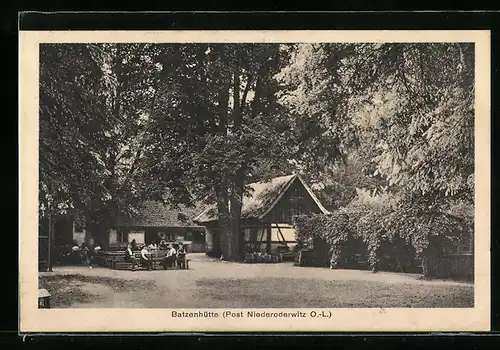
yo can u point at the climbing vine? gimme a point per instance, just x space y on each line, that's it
335 230
409 231
395 240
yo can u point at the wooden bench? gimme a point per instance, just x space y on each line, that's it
98 258
116 260
182 265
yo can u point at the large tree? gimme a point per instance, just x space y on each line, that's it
214 120
408 107
93 99
70 113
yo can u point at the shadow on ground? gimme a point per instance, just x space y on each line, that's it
290 292
67 290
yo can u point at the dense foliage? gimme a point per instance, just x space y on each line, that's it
408 110
404 235
92 102
384 132
336 231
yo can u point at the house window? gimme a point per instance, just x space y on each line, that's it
122 236
167 236
296 204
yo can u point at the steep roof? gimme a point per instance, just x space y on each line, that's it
158 214
261 200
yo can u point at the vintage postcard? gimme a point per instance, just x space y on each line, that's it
207 181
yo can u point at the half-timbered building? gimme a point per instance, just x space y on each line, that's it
267 215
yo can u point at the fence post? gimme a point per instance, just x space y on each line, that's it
49 242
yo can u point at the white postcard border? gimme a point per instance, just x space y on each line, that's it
33 319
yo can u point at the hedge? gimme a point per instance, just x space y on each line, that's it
395 240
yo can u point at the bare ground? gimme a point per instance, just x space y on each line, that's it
210 283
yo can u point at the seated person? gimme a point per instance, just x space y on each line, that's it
130 256
170 257
153 245
145 258
163 244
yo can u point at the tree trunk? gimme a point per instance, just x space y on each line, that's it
236 205
222 188
268 239
224 222
50 243
237 183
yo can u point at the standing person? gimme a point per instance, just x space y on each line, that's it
173 253
146 258
133 245
181 257
95 254
84 253
163 244
170 257
75 254
130 257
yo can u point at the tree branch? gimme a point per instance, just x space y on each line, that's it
245 92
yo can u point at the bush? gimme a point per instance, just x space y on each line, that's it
261 258
331 237
406 235
393 240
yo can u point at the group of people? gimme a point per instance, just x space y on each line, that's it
146 255
160 245
82 254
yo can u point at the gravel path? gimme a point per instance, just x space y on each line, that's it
186 288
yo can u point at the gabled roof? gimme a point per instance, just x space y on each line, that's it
261 200
158 214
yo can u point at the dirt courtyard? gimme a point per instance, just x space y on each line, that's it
210 283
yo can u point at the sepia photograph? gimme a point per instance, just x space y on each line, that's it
264 176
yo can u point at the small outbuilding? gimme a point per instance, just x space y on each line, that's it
157 221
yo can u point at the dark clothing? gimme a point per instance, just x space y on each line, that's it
131 259
84 253
147 263
76 257
168 262
181 260
133 244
